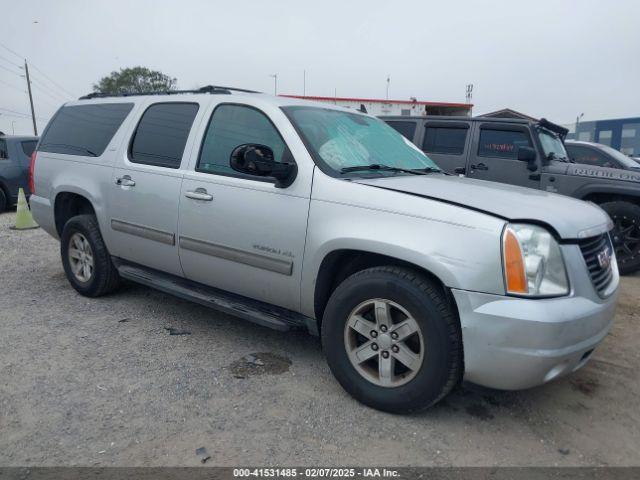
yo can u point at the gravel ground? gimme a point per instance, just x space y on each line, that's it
141 378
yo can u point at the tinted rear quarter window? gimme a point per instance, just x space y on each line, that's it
406 129
3 149
162 134
445 140
502 143
29 147
84 129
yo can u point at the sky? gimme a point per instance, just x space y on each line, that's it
554 59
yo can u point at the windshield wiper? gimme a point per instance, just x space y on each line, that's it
431 170
386 168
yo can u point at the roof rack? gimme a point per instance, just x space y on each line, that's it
212 89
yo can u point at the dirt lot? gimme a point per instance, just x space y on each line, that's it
142 378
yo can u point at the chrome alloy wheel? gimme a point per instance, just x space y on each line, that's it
384 342
80 257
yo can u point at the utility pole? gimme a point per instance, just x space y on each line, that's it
469 96
33 113
304 83
388 82
275 83
578 118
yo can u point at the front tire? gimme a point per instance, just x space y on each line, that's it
625 234
85 258
392 339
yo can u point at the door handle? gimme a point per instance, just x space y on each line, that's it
480 166
199 194
460 170
125 181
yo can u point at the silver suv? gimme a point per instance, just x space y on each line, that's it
295 214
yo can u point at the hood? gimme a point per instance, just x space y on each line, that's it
570 218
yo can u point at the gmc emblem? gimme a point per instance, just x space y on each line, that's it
604 258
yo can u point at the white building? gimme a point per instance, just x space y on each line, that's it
410 108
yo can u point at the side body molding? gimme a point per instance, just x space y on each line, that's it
143 231
285 267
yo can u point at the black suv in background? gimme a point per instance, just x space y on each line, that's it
530 154
15 156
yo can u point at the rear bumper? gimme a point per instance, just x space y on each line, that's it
514 343
42 212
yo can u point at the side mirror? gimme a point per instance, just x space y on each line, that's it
257 160
528 154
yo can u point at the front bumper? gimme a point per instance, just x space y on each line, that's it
514 343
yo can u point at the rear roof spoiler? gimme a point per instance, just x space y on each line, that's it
561 131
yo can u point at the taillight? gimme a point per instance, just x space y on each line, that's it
32 167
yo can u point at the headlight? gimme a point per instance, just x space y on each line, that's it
533 264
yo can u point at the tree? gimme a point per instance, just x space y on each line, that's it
134 80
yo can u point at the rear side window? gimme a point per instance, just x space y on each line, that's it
162 134
406 129
29 147
502 143
84 129
445 140
3 150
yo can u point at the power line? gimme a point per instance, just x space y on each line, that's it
12 51
43 87
9 70
12 86
55 106
53 81
26 117
13 113
48 91
10 61
17 115
38 69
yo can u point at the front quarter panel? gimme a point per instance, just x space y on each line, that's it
459 246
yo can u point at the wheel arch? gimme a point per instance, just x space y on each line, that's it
339 264
600 194
68 204
5 189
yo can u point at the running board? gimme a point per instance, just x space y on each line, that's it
255 311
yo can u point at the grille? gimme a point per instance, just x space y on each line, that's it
591 247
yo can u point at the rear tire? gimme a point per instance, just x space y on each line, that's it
85 258
3 201
397 296
625 234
